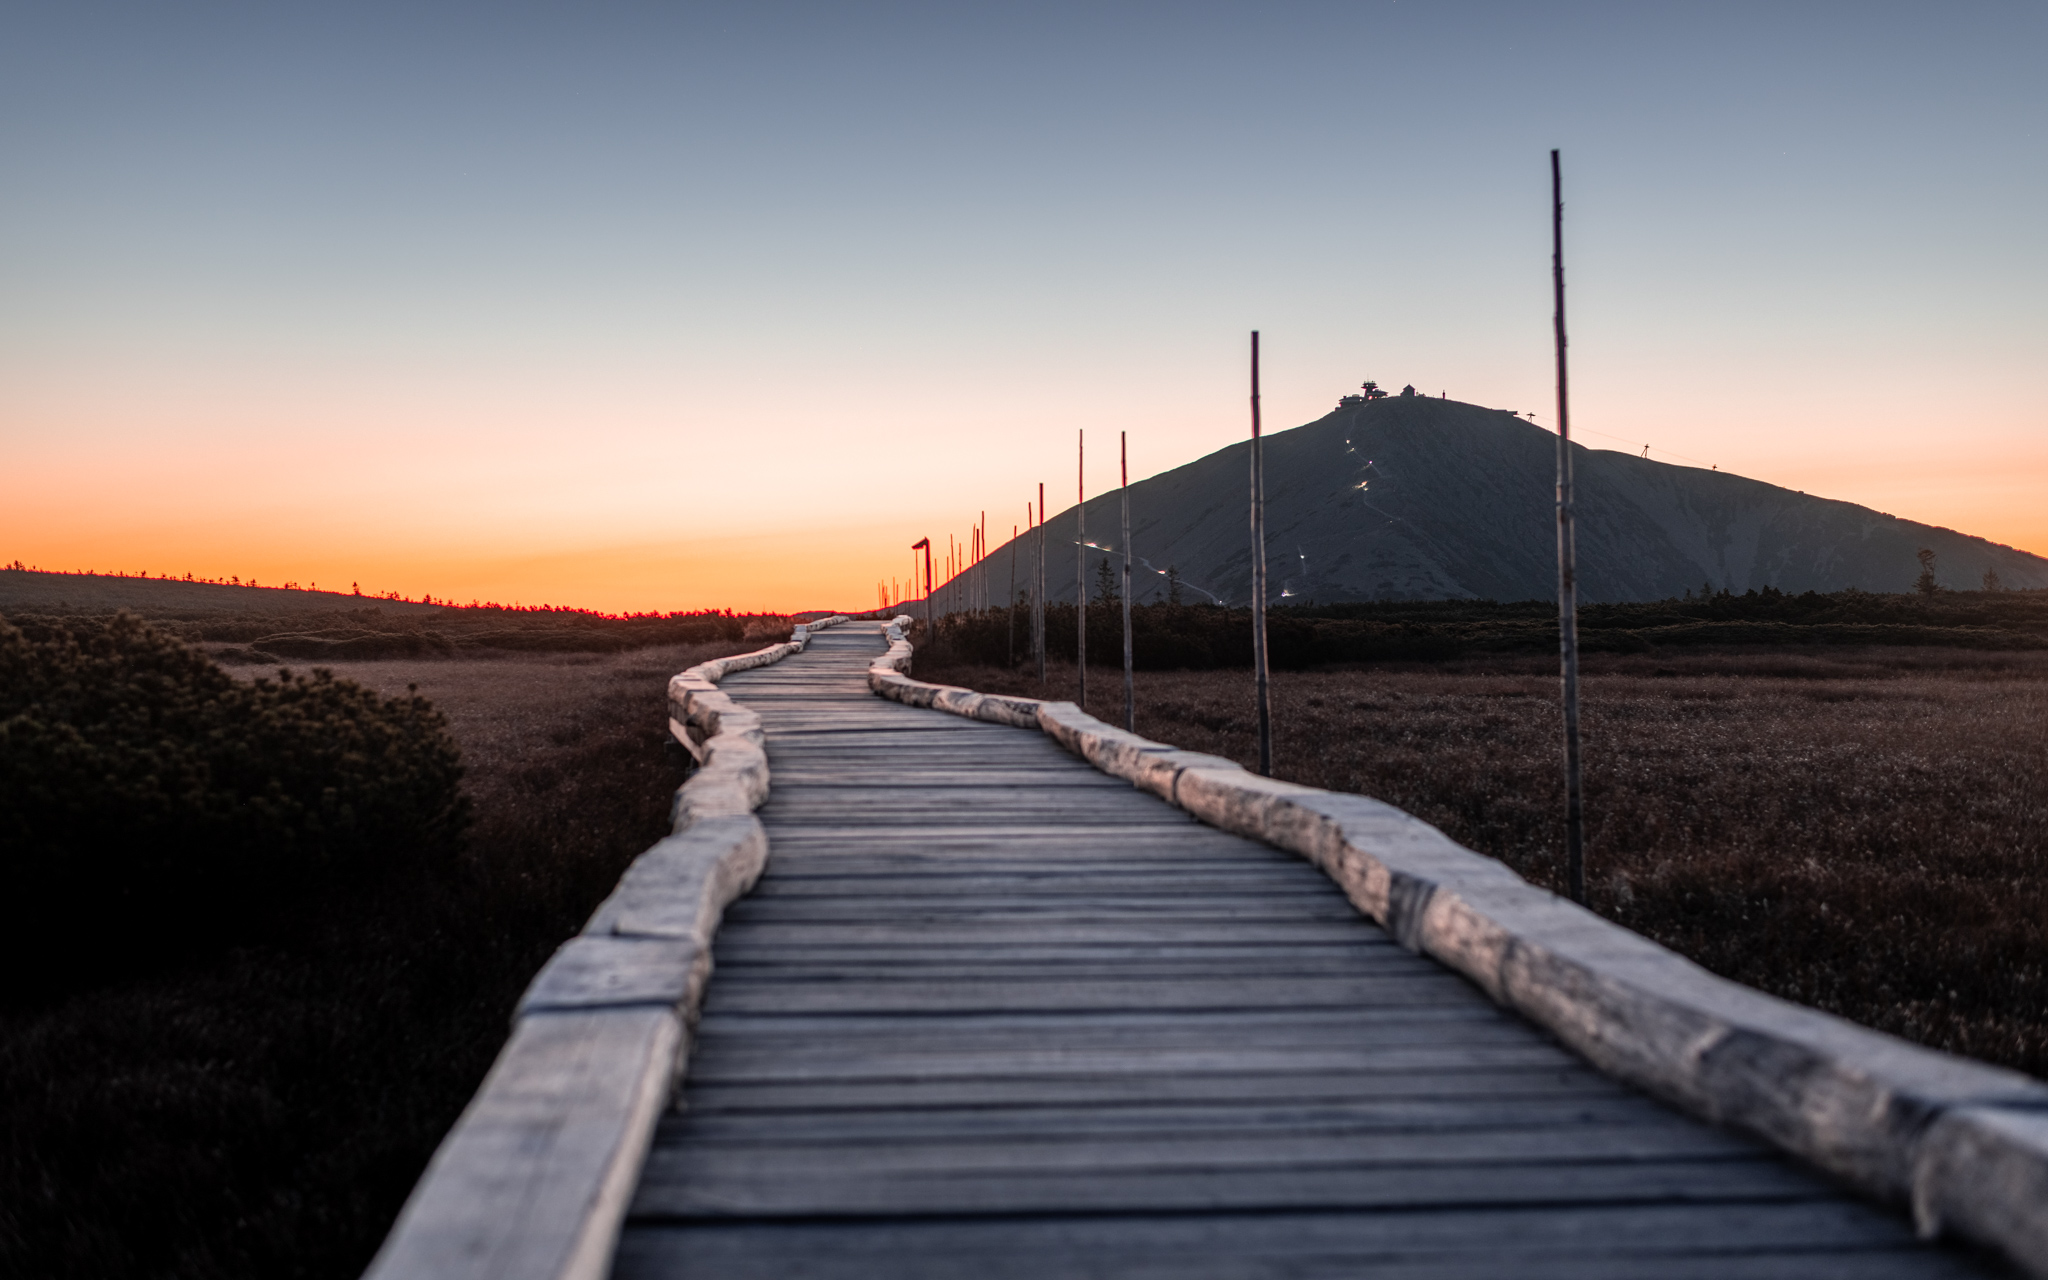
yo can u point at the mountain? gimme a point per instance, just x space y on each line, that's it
1409 498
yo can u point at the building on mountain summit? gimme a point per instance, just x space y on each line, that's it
1409 391
1370 391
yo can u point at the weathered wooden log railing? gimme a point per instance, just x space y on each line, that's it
534 1179
1965 1145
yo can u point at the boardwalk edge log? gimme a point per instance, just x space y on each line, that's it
533 1181
1964 1144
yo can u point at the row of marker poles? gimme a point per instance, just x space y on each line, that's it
959 558
1567 571
1081 572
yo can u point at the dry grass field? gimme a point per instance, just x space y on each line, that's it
1865 831
263 1113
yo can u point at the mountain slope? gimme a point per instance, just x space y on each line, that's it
1412 498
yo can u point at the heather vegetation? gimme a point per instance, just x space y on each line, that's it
153 801
245 624
369 632
1863 829
330 972
1173 637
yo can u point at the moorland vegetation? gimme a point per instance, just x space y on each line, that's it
241 624
279 925
1201 637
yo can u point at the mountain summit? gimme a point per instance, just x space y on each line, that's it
1408 498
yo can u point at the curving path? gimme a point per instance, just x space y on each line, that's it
992 1013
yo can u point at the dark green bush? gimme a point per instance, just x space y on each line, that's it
149 801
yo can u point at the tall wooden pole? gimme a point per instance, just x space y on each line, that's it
1260 676
1038 630
1010 604
1567 568
1031 587
1130 696
1081 562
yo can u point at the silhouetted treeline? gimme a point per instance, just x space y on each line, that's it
1201 637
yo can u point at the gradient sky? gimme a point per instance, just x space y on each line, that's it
667 306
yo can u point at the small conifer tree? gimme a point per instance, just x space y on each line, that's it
1105 583
1925 583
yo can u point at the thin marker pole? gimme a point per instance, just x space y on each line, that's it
1261 679
1567 569
1010 605
1081 562
1130 696
1038 628
1031 587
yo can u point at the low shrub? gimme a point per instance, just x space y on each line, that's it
1301 637
149 801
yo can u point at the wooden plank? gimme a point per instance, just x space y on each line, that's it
695 1156
1039 928
743 993
1266 1115
1235 1060
1081 883
966 965
850 1252
668 1193
799 1037
1135 910
751 951
827 1093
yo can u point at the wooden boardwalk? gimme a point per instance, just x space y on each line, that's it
991 1013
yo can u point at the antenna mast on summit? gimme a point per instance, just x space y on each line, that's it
1567 568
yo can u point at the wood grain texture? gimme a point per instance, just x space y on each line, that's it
986 1016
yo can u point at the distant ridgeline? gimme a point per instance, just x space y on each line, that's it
265 624
1409 498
